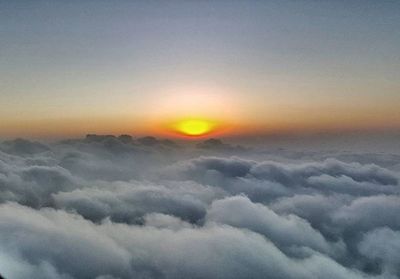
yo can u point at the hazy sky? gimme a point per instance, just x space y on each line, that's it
73 67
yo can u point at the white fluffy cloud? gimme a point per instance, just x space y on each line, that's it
115 207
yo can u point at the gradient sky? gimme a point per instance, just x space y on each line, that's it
69 68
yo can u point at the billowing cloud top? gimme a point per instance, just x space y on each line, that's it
117 207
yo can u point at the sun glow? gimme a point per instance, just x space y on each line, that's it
194 127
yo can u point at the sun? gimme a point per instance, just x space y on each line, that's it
194 127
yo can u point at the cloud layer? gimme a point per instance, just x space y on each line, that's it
116 207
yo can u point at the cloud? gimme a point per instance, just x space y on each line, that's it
128 202
34 185
383 244
316 209
122 207
286 230
367 213
68 246
286 174
296 174
23 147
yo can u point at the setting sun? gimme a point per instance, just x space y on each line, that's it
194 127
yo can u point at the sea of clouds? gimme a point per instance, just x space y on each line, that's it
110 207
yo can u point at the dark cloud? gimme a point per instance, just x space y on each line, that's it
285 230
263 181
128 202
367 213
218 146
383 245
297 174
23 147
122 207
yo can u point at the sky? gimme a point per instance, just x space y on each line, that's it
68 68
